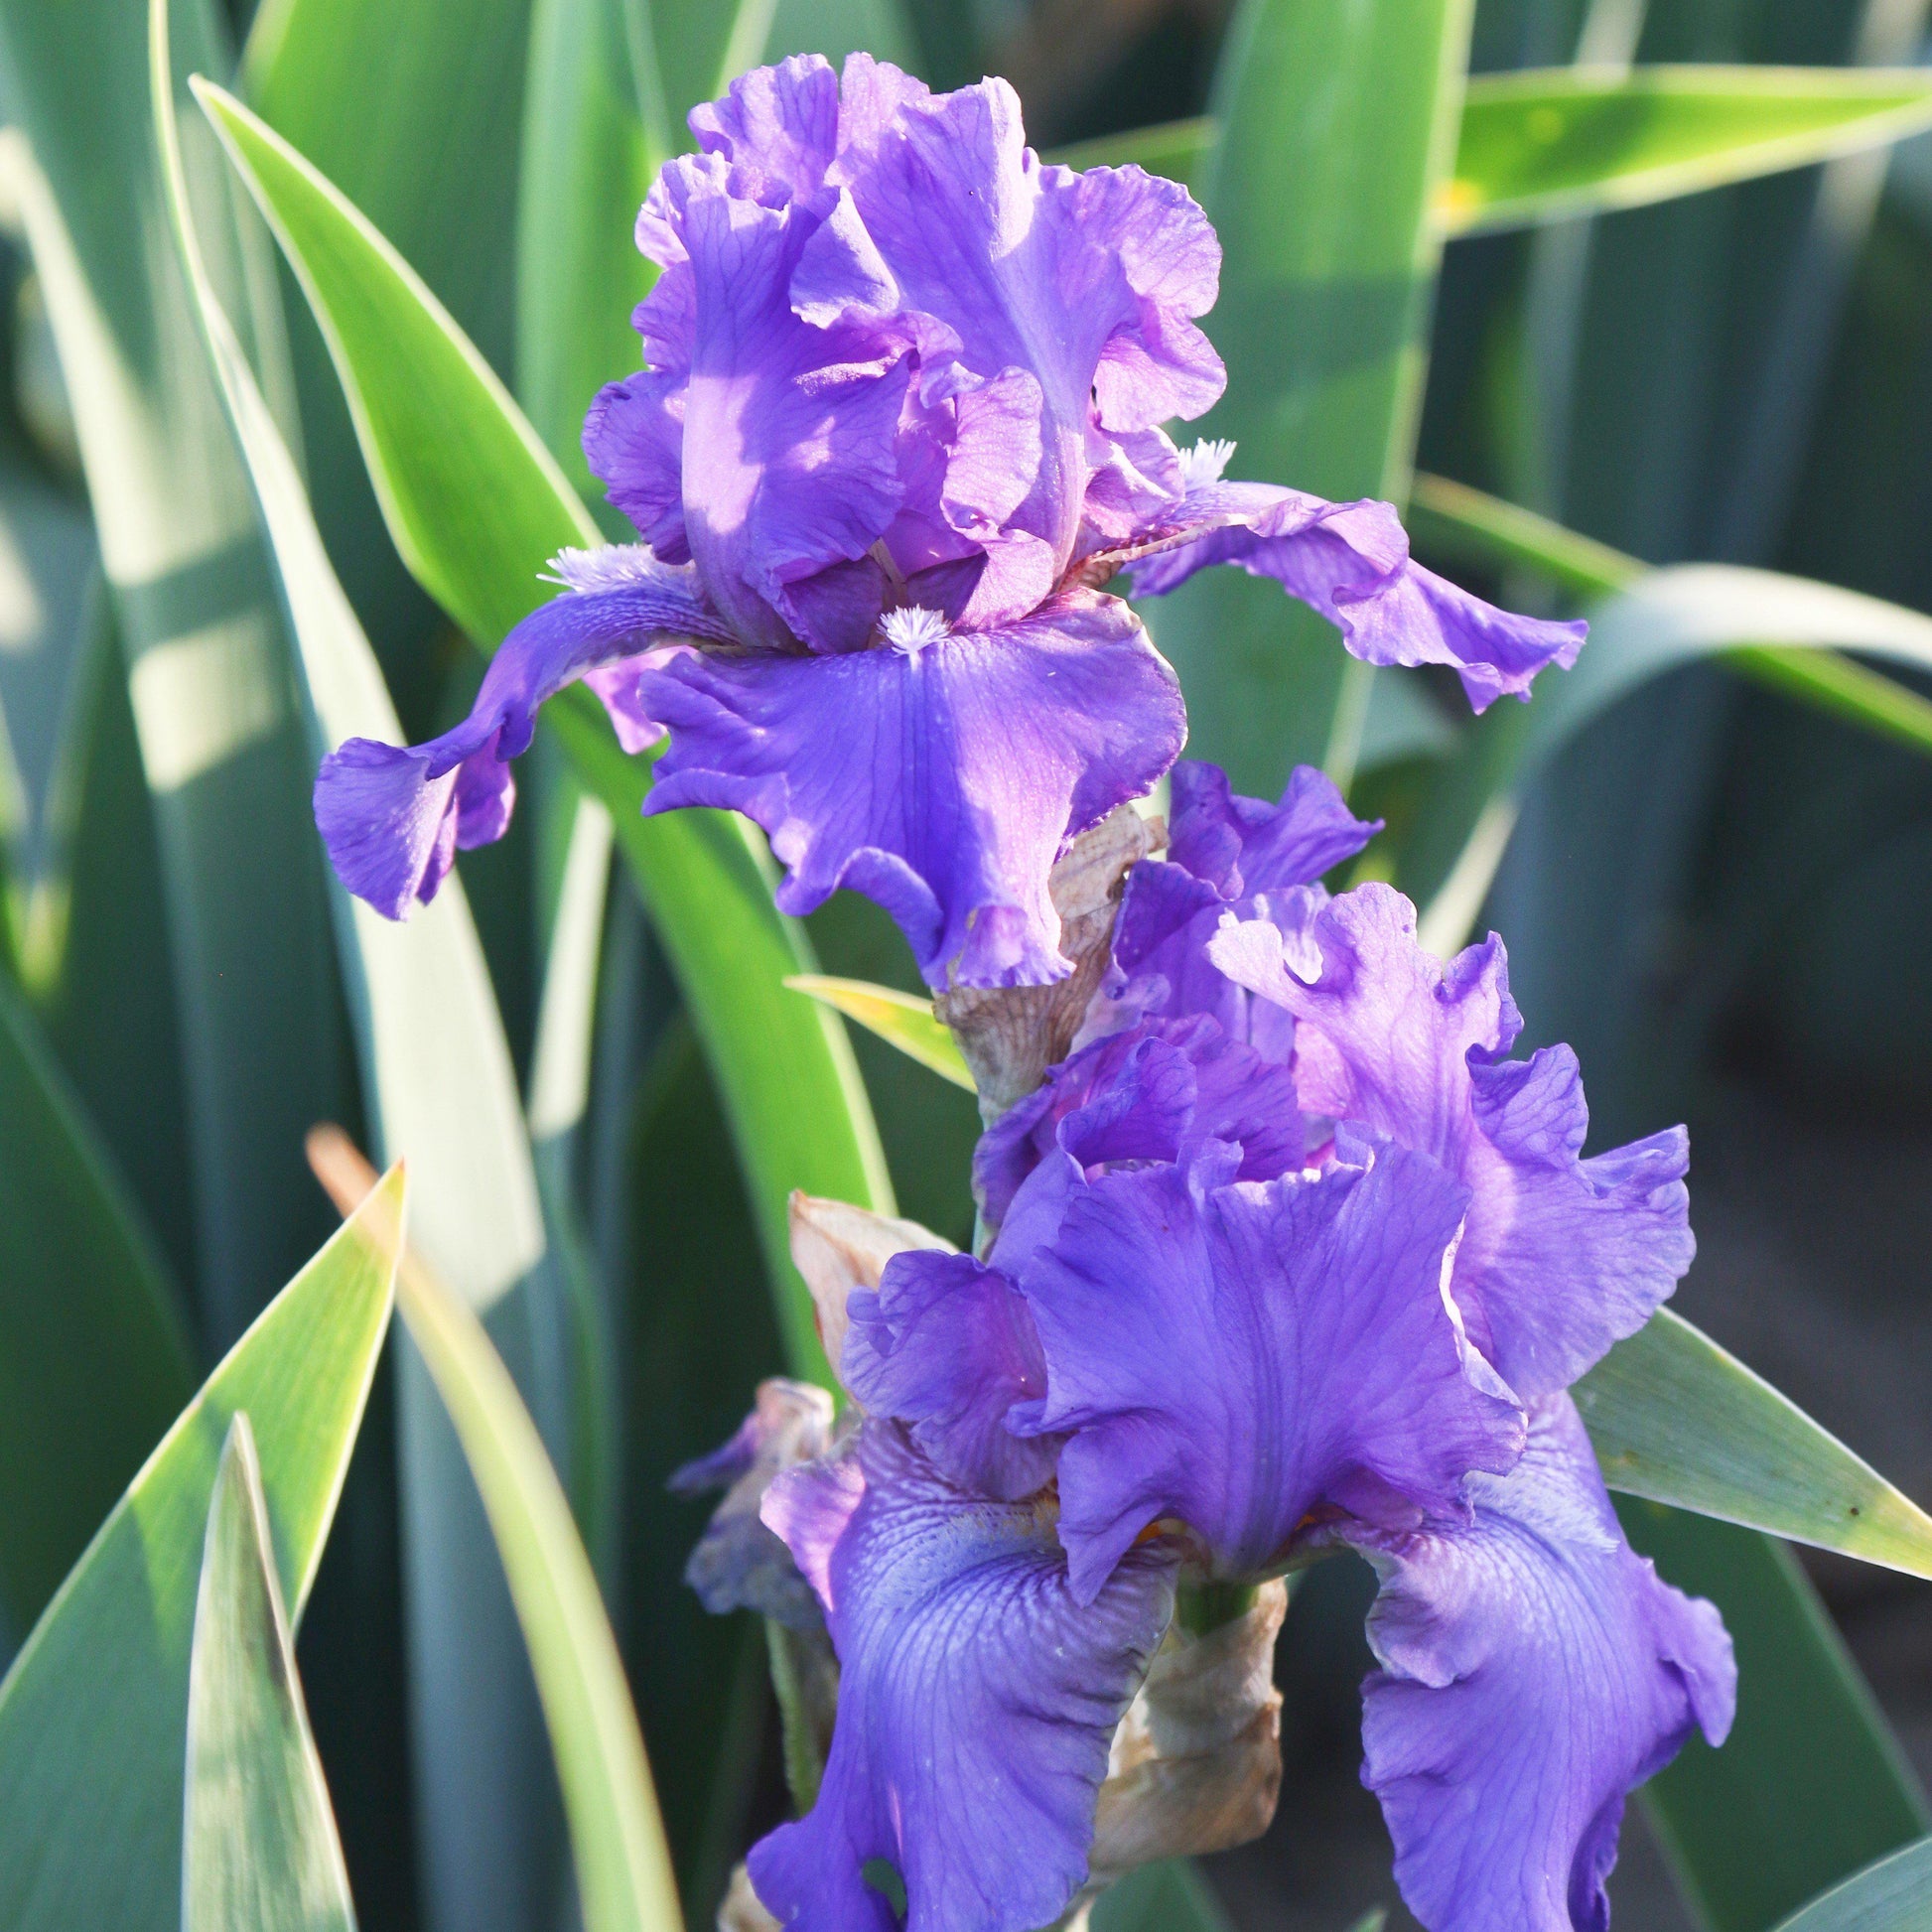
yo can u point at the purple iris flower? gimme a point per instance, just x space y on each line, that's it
1224 853
1241 1310
900 423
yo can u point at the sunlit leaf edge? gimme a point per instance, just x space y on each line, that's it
901 1019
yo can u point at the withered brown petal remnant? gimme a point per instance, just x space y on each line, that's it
1196 1763
838 1248
1011 1035
742 1911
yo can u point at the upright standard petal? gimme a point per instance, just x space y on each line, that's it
947 1346
1249 1355
789 447
1351 563
838 1248
1241 846
777 126
1089 282
393 816
1224 850
1562 1256
738 1564
941 779
977 1698
1147 1094
1534 1670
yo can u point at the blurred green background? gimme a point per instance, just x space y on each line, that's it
1714 876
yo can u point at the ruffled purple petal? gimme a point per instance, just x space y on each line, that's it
393 816
947 1345
1243 845
1224 850
1535 1670
940 780
1243 1356
777 126
789 430
390 828
1351 563
739 1564
1088 281
1145 1095
633 443
828 233
1562 1257
977 1699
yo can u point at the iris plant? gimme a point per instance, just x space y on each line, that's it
1285 1254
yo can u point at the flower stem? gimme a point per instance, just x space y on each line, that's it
1201 1607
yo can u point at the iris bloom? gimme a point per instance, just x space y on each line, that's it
1248 1302
901 421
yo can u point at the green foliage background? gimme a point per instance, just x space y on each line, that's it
291 369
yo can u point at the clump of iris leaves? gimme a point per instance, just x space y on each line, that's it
602 1086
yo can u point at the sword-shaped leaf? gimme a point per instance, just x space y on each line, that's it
93 1360
624 1867
1678 1420
1545 143
93 1714
1892 1895
260 1850
901 1019
476 505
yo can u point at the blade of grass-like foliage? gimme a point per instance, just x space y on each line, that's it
624 1868
443 1092
1158 1898
220 735
438 1067
698 1335
1176 149
1546 143
109 1010
1337 126
791 1090
259 1848
1475 527
1811 1783
415 384
1678 1420
1698 608
901 1019
93 1361
1644 622
414 106
49 557
1895 1895
559 1099
1676 616
595 132
93 1712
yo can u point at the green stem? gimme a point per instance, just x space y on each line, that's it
1201 1607
804 1767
